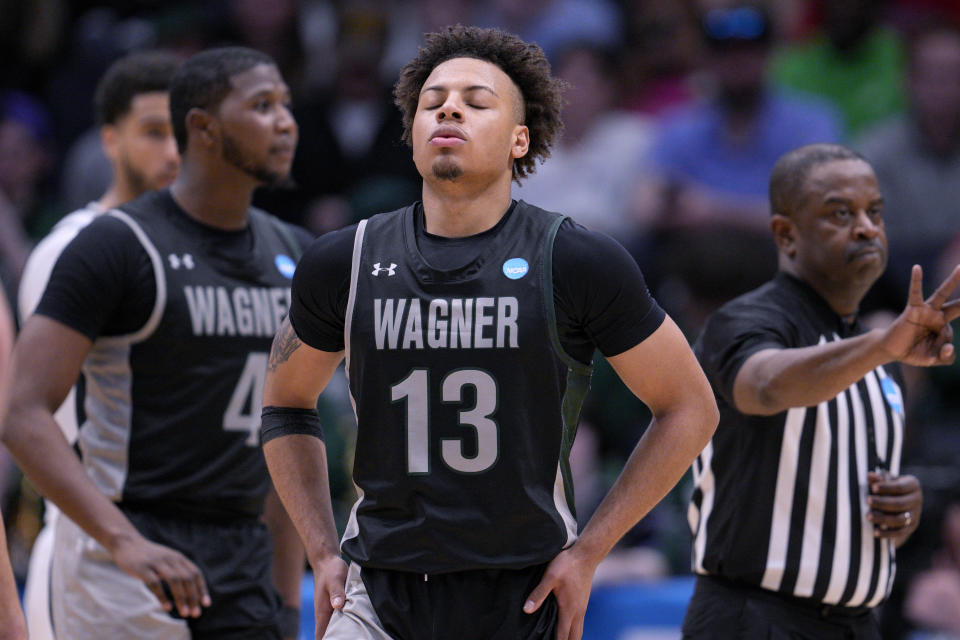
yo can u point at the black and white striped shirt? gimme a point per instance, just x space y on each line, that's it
780 501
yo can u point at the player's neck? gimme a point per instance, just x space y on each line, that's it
453 210
213 200
115 196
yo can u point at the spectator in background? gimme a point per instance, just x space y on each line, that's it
591 172
916 155
554 24
662 41
270 26
715 156
26 156
853 61
409 23
30 36
707 190
932 601
351 161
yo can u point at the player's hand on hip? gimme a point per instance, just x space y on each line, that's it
921 335
895 505
157 566
329 579
569 577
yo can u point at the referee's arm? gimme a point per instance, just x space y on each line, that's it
774 380
297 459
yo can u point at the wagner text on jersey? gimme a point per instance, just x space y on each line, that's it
243 311
446 323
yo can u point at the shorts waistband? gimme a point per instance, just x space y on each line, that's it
820 609
225 510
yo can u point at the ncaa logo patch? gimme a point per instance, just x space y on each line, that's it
892 392
515 268
285 265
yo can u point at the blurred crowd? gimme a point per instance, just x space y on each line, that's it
676 111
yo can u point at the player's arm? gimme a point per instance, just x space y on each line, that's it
297 458
103 277
608 301
14 626
46 362
663 373
288 559
773 380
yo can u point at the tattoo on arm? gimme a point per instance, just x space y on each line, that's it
284 344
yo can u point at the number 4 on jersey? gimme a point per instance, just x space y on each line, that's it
246 403
415 389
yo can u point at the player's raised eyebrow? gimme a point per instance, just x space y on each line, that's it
473 87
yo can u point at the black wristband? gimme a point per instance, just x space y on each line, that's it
285 421
288 622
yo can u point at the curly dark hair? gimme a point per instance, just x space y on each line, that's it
525 64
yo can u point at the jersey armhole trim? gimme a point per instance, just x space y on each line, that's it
352 295
160 296
572 363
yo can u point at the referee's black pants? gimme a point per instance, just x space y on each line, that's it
724 610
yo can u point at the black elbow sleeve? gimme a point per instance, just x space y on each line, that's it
284 421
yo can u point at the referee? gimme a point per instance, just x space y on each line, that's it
798 503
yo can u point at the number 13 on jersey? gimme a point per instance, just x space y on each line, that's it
415 390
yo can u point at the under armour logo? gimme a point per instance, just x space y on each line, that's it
391 270
185 261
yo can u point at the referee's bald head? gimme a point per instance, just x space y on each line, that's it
789 175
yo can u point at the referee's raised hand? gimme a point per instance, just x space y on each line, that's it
157 566
921 335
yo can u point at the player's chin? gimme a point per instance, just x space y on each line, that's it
275 174
161 182
446 168
281 165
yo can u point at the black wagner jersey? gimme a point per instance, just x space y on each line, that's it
465 402
173 410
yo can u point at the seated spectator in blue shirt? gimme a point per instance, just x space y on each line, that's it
712 159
